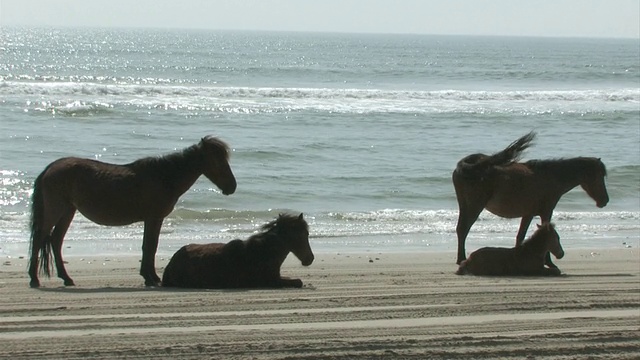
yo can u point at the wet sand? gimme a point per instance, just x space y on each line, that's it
356 306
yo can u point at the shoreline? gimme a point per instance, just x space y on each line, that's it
397 244
357 306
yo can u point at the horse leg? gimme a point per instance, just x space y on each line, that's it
36 244
546 218
41 229
466 218
57 237
472 198
522 231
149 248
548 262
552 271
287 282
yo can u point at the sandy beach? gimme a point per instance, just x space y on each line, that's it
356 306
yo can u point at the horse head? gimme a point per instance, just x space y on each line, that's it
552 238
215 155
296 231
594 184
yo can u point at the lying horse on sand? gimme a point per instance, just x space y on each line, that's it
252 263
526 259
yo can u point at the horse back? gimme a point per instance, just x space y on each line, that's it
72 163
517 190
471 167
489 261
107 194
189 266
214 265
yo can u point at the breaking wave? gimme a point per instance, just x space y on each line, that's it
99 96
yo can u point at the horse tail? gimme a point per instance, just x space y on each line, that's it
477 166
512 152
37 217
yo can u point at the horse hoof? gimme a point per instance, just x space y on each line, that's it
34 284
150 283
69 283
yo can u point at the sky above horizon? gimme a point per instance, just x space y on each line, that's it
548 18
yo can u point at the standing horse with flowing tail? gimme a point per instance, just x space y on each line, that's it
512 189
115 195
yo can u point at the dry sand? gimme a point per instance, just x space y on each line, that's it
368 306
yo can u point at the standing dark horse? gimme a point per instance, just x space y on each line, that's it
511 189
107 194
527 259
251 263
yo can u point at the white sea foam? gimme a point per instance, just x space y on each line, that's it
87 88
257 100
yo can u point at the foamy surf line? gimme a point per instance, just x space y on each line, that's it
88 97
384 231
88 88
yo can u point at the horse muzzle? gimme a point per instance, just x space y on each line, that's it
307 261
230 189
603 201
559 255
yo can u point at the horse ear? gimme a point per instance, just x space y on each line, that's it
300 217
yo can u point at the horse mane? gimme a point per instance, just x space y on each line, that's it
569 167
181 158
170 164
536 238
214 142
268 230
264 241
283 220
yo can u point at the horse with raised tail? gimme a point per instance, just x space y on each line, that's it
512 189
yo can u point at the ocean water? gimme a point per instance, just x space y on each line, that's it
358 132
